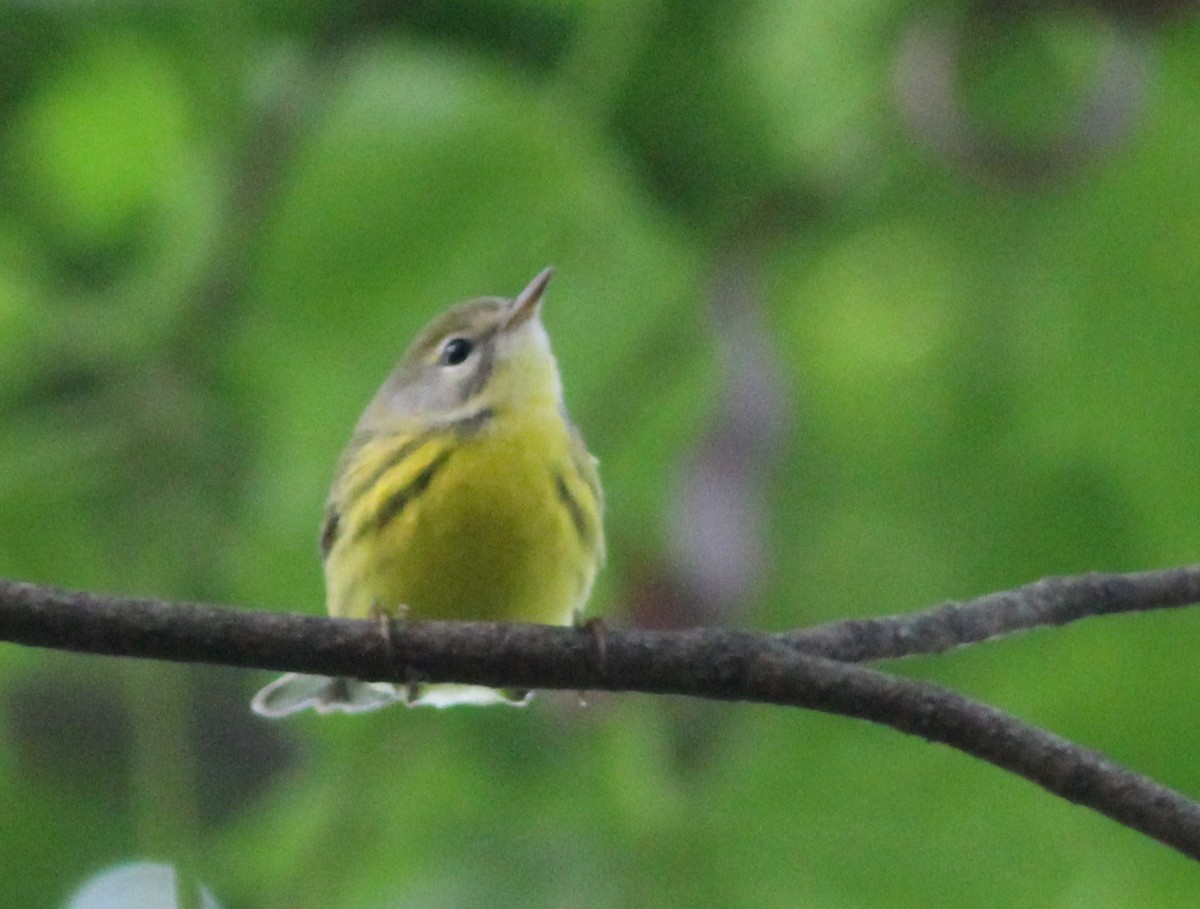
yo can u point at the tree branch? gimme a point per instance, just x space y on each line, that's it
709 663
1050 601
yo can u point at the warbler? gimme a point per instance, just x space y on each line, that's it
465 492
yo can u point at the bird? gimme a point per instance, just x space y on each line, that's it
465 493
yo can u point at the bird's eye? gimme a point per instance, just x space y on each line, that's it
455 351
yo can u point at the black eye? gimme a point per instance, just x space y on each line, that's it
455 351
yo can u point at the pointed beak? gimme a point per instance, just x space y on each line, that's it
528 303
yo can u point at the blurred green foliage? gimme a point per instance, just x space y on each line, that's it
219 226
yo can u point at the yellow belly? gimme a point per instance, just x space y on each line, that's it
490 536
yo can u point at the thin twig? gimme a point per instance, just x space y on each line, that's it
1050 601
710 663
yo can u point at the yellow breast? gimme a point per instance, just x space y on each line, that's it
496 519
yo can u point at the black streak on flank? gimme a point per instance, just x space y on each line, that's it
398 454
329 531
398 500
578 518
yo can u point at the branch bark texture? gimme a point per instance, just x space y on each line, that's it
709 663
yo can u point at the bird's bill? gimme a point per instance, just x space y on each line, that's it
528 302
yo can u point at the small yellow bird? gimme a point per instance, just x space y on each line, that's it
465 493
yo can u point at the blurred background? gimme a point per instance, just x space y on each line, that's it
862 305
